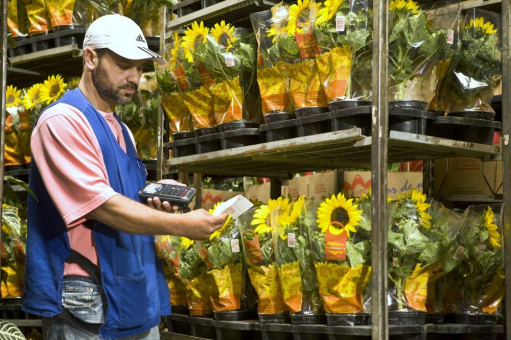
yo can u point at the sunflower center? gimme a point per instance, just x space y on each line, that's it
10 99
54 90
340 216
224 39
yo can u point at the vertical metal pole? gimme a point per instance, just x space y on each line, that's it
3 74
380 330
427 178
506 152
160 156
197 184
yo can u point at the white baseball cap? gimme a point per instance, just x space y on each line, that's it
120 35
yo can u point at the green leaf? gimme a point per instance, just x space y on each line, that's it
9 331
11 220
433 44
415 30
358 253
432 252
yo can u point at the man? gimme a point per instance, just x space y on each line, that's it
91 267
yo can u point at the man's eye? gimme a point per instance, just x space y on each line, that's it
140 69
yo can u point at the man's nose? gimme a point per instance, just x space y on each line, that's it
134 75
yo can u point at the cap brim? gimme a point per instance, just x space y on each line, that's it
138 53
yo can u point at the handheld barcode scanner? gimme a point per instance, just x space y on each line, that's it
176 195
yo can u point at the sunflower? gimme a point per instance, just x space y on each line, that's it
262 216
338 214
405 6
478 23
419 200
298 16
12 96
52 89
33 96
272 32
177 41
186 242
327 12
223 34
494 237
220 231
194 37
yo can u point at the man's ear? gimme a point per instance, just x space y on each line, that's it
90 59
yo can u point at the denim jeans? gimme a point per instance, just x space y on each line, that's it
84 313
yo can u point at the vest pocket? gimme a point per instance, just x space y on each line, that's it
132 301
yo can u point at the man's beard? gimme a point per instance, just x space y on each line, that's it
109 93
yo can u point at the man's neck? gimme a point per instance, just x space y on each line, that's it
90 92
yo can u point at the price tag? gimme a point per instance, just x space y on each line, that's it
235 245
459 253
450 37
291 240
229 59
340 23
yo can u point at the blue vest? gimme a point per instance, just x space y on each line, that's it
131 273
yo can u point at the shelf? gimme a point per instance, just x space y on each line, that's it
339 149
471 198
235 12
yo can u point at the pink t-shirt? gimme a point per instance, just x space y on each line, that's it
69 158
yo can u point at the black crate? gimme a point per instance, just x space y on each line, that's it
410 120
354 319
241 137
235 315
280 130
347 104
275 318
465 129
313 124
61 36
472 319
357 117
183 147
208 143
407 318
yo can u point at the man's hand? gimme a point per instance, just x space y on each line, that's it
200 224
155 203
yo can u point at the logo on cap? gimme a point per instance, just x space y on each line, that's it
140 38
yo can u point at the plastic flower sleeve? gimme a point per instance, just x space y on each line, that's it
166 247
480 275
146 13
64 13
341 255
343 30
271 74
223 255
294 260
18 127
37 17
256 229
298 48
469 88
194 275
414 47
418 245
13 251
15 18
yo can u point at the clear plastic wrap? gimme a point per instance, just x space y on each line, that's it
343 30
476 285
298 48
271 74
256 227
16 18
13 251
67 12
146 13
167 248
18 127
37 17
294 259
418 249
469 87
229 57
341 252
223 255
415 41
98 8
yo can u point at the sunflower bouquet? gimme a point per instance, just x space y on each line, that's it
194 274
469 87
297 47
341 255
223 255
67 12
271 71
414 46
256 227
167 248
343 29
229 56
294 260
479 278
418 245
37 16
146 13
15 19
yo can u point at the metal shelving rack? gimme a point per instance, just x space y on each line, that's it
349 148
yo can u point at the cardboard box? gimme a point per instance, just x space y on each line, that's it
357 183
454 176
210 197
260 192
316 186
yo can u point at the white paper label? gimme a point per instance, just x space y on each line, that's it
236 206
291 240
450 37
229 60
459 253
340 23
235 245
